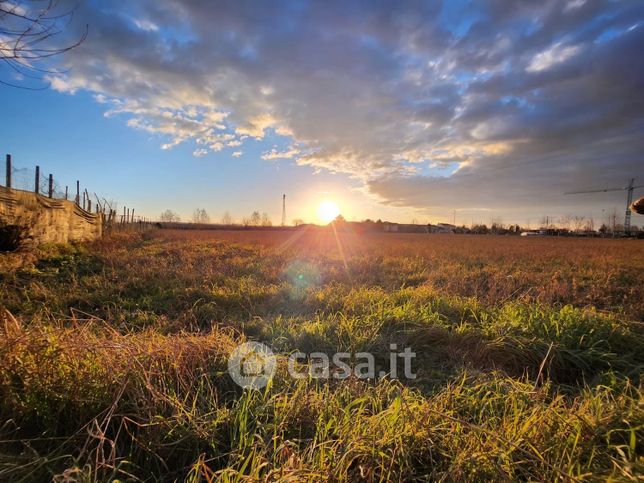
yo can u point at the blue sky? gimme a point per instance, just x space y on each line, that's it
395 111
69 136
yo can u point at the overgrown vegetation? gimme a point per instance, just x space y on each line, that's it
530 354
14 236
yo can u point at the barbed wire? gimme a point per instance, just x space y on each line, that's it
24 178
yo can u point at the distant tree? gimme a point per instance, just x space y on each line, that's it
497 227
612 220
226 219
480 229
565 221
546 222
255 219
578 222
28 39
266 220
169 216
200 216
298 221
604 228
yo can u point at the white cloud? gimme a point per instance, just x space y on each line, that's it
414 93
557 54
237 154
256 125
200 152
290 153
574 5
145 25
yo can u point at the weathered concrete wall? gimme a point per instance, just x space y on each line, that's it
55 221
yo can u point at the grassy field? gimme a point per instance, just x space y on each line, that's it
529 358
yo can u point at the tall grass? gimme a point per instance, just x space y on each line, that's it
529 356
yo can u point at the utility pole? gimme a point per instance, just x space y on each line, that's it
8 183
283 210
629 201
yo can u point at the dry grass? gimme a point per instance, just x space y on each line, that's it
530 354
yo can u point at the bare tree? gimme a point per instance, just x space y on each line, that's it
612 219
255 219
266 220
169 216
546 222
578 222
298 221
29 37
226 219
564 221
200 216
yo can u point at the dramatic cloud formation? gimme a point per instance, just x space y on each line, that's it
457 104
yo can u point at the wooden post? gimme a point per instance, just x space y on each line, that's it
51 185
37 187
8 171
89 205
132 215
65 192
123 219
127 218
77 192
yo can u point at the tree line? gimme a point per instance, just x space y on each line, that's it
200 215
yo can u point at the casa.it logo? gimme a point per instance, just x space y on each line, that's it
252 365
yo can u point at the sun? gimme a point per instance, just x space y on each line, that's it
328 211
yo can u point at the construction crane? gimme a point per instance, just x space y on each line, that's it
629 199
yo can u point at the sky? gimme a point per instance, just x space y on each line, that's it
404 111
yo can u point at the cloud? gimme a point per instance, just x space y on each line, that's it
290 153
554 55
145 25
237 154
385 94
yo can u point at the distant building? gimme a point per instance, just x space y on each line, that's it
390 227
442 228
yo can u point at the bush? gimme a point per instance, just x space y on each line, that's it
13 237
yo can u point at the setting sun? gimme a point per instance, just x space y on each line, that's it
328 211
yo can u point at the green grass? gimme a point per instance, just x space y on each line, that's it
529 357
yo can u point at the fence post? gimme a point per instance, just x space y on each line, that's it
37 187
65 192
132 219
78 192
123 219
51 185
89 205
8 171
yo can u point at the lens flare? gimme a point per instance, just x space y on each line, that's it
328 211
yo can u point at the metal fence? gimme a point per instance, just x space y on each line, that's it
46 184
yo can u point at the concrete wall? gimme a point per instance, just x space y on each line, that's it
53 221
